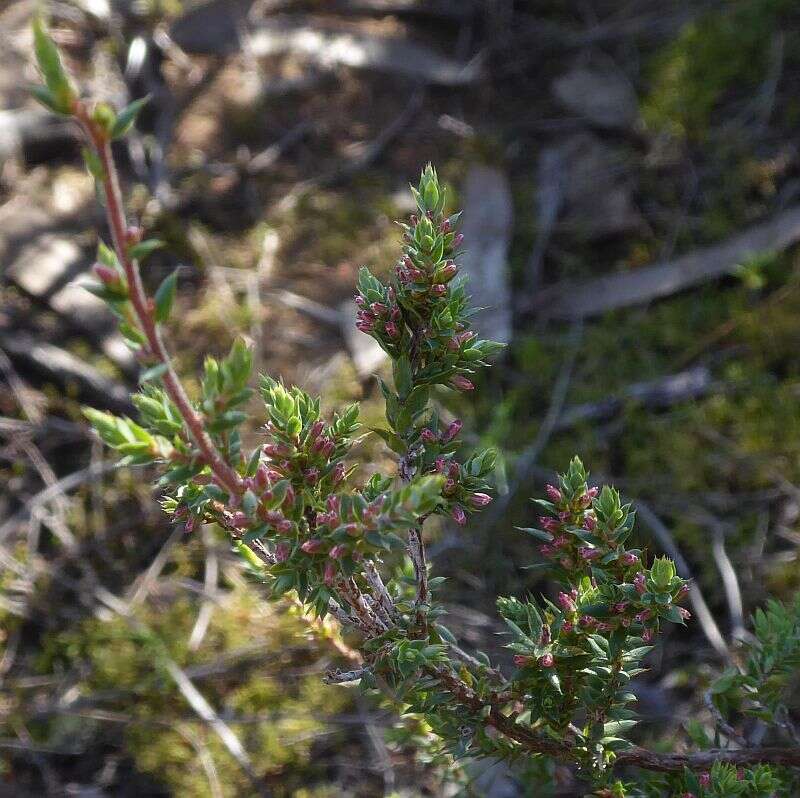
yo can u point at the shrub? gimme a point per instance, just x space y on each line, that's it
305 528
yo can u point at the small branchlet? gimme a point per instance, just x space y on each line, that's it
307 529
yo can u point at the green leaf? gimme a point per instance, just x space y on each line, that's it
49 61
93 163
153 373
144 248
165 296
43 95
391 439
127 117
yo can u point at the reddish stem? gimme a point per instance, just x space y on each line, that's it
143 308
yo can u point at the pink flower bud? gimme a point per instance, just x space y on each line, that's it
363 326
546 550
282 551
392 294
447 272
453 471
328 449
587 621
449 487
190 523
688 795
587 553
452 430
548 523
133 235
330 572
546 661
311 475
414 220
520 660
685 614
316 429
566 602
261 479
567 627
333 503
564 516
275 450
589 523
644 616
284 526
312 546
704 779
338 551
106 274
337 475
319 445
288 499
620 607
438 290
561 542
640 583
239 520
592 492
682 593
740 774
359 300
392 330
453 344
459 516
479 499
354 530
429 436
458 240
444 227
439 464
553 493
378 308
628 559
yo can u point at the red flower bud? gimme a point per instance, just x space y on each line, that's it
391 330
620 607
553 493
447 272
439 464
567 627
275 450
682 593
589 523
644 616
261 479
628 559
704 779
458 239
332 503
190 522
429 436
546 550
566 602
330 572
359 300
685 614
311 475
282 551
546 661
520 660
316 429
106 274
640 583
379 309
312 546
284 526
337 475
459 516
548 523
587 553
587 621
444 227
452 430
338 551
239 520
479 499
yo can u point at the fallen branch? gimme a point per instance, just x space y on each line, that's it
624 289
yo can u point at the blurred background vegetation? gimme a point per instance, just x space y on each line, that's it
631 182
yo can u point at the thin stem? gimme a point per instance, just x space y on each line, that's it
143 308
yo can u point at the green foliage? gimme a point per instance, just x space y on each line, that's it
720 51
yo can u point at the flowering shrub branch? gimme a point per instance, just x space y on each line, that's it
308 530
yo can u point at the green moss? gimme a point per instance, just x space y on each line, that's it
716 53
